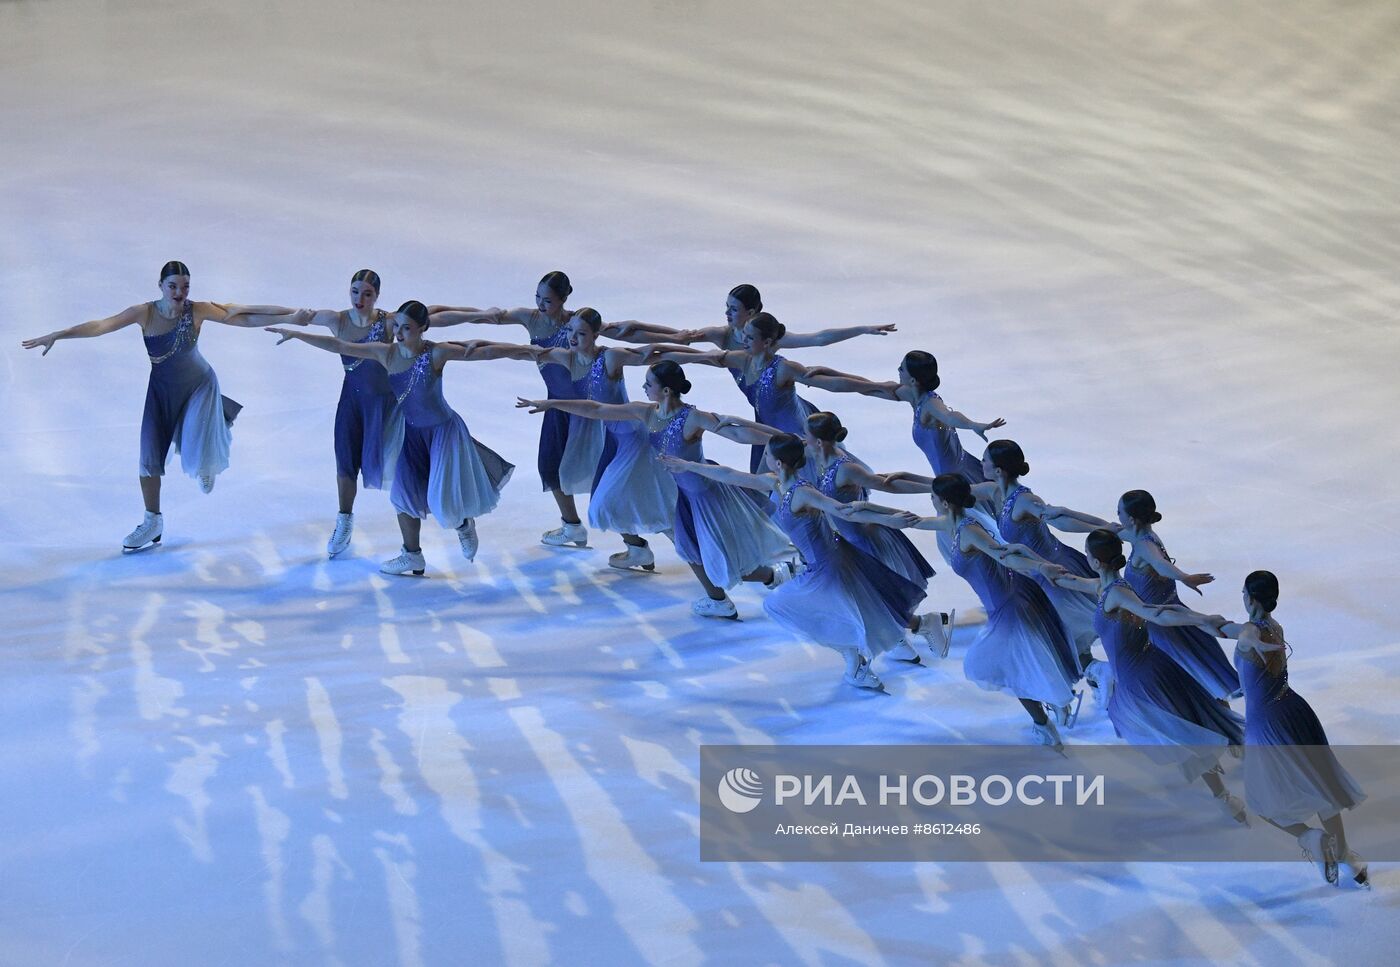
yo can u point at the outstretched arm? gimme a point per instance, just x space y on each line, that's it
645 332
1029 506
481 350
1175 615
1018 557
97 327
588 408
260 317
826 337
662 352
837 382
733 428
951 417
1153 557
864 512
457 315
362 350
750 481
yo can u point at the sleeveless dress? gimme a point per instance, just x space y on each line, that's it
845 598
1155 703
716 526
775 406
943 450
1076 610
888 545
569 444
1290 771
441 472
632 493
1191 648
1022 649
363 415
183 404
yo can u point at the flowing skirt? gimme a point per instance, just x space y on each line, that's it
185 409
888 546
570 447
362 417
632 492
719 528
442 472
848 599
1023 648
1290 771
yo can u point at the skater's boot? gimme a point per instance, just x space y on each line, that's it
147 532
407 561
340 537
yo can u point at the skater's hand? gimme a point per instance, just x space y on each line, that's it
688 336
284 333
1051 571
45 341
1194 581
903 519
534 406
883 329
996 424
672 462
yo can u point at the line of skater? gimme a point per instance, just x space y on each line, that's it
840 570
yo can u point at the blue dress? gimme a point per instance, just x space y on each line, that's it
362 417
777 406
943 450
845 598
888 545
441 471
569 444
1191 648
1155 703
1290 771
1023 648
1076 610
183 404
716 526
632 493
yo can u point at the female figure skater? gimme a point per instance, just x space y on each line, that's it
631 494
1023 648
1290 771
1153 577
183 403
1151 700
440 469
720 533
935 423
844 599
569 446
1026 519
362 417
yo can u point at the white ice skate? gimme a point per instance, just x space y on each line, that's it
466 536
407 561
1320 850
340 537
1049 736
1353 867
783 572
146 533
566 534
1099 677
863 677
633 557
206 482
708 607
933 635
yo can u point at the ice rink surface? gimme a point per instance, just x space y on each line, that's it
1160 239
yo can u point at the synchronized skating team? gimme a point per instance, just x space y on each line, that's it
840 569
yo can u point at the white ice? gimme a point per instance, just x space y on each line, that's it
1160 239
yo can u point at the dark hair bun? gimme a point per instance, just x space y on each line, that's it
1263 588
1107 547
558 283
922 368
173 268
788 450
367 275
670 375
1141 507
767 326
416 311
1007 457
748 296
955 489
826 426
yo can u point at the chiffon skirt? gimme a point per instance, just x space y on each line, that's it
719 528
185 409
443 473
1023 649
1290 772
632 492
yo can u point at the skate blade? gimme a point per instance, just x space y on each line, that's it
144 547
634 568
1073 716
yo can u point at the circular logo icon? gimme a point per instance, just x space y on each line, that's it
740 790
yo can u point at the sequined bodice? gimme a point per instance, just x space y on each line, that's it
601 388
179 342
670 439
989 579
1121 634
376 333
827 482
559 383
732 343
1033 533
418 391
1148 584
939 442
809 533
1258 685
772 402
